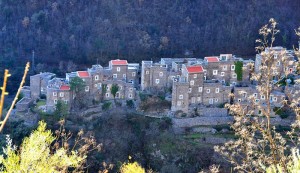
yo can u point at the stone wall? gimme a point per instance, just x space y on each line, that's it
201 121
23 104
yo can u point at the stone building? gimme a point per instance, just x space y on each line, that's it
38 84
153 75
180 96
58 89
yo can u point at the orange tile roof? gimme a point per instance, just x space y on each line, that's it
64 87
83 74
195 69
212 59
119 62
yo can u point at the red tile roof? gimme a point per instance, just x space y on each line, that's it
195 69
83 74
119 62
64 87
212 59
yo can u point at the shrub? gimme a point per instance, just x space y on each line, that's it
130 103
106 106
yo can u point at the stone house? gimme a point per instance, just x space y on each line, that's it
126 91
215 93
58 89
154 76
180 96
38 84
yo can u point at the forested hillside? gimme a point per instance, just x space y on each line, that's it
83 30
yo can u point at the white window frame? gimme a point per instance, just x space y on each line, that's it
147 72
55 101
255 95
86 88
190 90
275 56
200 89
130 89
61 94
66 101
216 100
262 97
97 77
157 81
195 76
275 99
107 95
95 85
215 72
124 75
192 82
234 76
161 74
222 73
193 100
217 90
118 69
54 94
232 67
133 74
115 76
181 97
199 99
207 90
224 67
278 63
130 95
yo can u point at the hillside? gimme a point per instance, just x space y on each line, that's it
83 31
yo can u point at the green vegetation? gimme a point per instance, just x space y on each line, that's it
239 70
114 89
281 112
130 103
61 109
77 84
106 106
37 154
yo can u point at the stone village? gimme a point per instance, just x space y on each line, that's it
191 82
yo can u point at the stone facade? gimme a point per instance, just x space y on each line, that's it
23 104
38 84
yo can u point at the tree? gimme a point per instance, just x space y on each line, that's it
114 89
61 109
259 144
239 70
38 154
77 84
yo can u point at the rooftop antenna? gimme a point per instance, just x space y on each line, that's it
32 60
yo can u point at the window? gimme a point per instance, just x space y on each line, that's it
262 97
66 101
204 77
133 74
130 95
233 75
225 67
118 69
275 56
87 88
278 63
223 58
96 77
275 99
200 89
95 85
255 95
216 100
199 99
211 101
192 82
130 89
61 94
147 72
193 99
190 90
222 73
54 94
115 76
232 67
157 81
256 100
178 103
107 87
239 100
215 72
55 101
161 74
217 90
120 87
195 75
124 75
107 94
207 90
180 96
245 95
